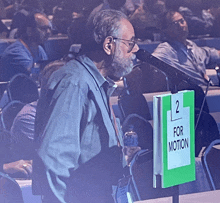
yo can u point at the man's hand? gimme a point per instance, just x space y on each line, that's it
22 166
129 153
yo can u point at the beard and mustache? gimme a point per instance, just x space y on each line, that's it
121 66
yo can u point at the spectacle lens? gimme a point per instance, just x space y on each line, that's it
131 43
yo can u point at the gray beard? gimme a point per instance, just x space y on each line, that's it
121 67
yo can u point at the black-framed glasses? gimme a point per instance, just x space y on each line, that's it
177 22
131 43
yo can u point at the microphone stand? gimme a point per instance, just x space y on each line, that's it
175 76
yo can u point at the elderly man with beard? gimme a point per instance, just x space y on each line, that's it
181 53
78 142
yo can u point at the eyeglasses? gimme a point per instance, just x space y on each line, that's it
131 43
177 22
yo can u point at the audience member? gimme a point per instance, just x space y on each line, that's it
145 19
173 5
2 10
107 4
25 8
15 168
181 53
19 169
22 133
11 6
130 6
76 31
3 29
78 153
62 17
20 56
200 21
213 7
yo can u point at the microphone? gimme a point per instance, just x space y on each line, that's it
174 75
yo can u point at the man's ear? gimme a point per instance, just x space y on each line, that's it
109 45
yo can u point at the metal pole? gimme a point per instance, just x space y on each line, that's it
175 196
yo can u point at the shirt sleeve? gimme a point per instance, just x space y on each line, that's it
212 55
42 54
60 148
164 53
17 62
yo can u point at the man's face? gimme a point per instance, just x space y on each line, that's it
177 28
125 47
43 29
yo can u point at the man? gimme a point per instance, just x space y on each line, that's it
20 56
184 54
22 132
78 142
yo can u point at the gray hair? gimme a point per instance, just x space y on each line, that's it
105 23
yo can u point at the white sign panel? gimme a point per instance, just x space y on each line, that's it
178 140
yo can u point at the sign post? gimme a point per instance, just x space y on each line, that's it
174 139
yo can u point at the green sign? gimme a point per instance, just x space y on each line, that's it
174 138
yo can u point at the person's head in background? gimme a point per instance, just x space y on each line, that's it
155 6
36 5
36 29
116 4
111 43
174 26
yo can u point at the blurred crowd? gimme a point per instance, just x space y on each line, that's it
70 16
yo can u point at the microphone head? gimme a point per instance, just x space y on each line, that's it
142 55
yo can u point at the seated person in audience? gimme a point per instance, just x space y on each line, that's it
145 18
25 8
15 168
214 10
182 53
20 56
3 29
62 17
22 130
21 168
200 21
107 4
22 133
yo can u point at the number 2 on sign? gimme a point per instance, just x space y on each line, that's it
176 106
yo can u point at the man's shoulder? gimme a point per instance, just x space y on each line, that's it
163 48
70 72
164 45
15 49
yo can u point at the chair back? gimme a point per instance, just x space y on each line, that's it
10 191
206 131
9 113
22 88
141 179
143 129
211 163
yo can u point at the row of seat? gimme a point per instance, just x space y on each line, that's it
139 183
